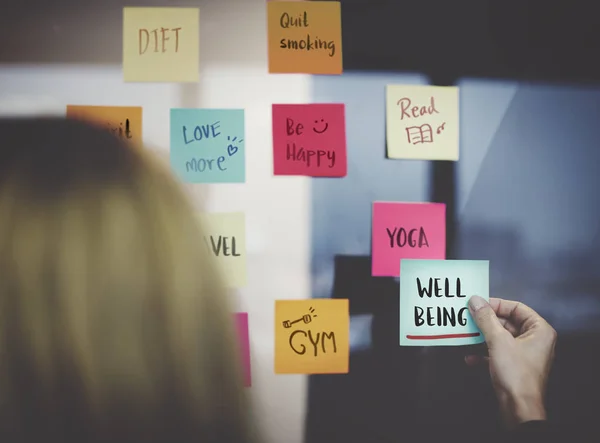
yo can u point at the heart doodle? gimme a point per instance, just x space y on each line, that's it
232 148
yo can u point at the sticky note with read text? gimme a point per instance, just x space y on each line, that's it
309 140
406 230
241 323
434 296
312 336
123 121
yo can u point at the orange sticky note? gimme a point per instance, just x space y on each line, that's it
123 121
305 37
312 336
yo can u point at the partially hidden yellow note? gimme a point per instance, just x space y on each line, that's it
161 44
312 336
122 121
225 240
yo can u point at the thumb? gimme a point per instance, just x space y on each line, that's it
485 318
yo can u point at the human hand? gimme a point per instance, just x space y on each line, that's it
521 350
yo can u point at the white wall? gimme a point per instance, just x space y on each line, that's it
234 74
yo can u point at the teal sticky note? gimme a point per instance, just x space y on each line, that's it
207 145
434 297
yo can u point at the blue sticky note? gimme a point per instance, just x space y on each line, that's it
434 296
207 145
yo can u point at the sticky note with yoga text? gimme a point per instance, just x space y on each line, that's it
241 323
422 122
123 121
434 296
309 139
406 230
305 37
225 240
161 44
312 336
207 145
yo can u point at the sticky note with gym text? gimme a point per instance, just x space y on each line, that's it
434 296
225 240
207 145
161 44
422 122
310 140
241 323
312 336
122 121
406 230
305 37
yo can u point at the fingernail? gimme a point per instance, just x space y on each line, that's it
476 303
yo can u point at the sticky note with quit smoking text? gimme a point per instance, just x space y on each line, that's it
225 240
422 122
305 37
312 336
310 140
406 230
161 44
241 323
207 145
123 121
434 296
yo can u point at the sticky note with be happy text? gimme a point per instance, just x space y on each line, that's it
123 121
305 37
312 336
161 44
434 297
422 122
309 139
406 230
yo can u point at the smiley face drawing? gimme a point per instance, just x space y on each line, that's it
321 122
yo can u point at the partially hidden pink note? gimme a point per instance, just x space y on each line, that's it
406 230
241 320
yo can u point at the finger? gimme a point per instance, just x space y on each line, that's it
518 313
486 319
507 324
476 360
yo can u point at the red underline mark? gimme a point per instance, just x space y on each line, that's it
437 337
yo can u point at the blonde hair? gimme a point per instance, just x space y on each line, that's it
114 325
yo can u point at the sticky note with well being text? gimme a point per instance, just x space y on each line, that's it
312 336
406 230
241 323
161 44
225 240
305 37
207 145
309 139
422 122
123 121
434 296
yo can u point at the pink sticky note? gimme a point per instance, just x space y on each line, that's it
406 230
241 321
310 140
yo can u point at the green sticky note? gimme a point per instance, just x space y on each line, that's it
434 296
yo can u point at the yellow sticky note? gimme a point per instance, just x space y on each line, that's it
422 122
312 336
123 121
225 239
161 44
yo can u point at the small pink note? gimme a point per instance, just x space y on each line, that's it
309 139
241 321
406 230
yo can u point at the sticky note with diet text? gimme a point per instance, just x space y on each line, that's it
422 122
241 323
122 121
207 145
225 240
309 139
434 296
312 336
305 37
161 44
406 230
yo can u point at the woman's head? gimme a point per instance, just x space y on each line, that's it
113 321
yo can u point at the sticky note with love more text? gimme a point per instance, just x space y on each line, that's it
123 121
161 44
310 140
207 145
241 323
312 336
422 122
434 296
406 230
305 37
